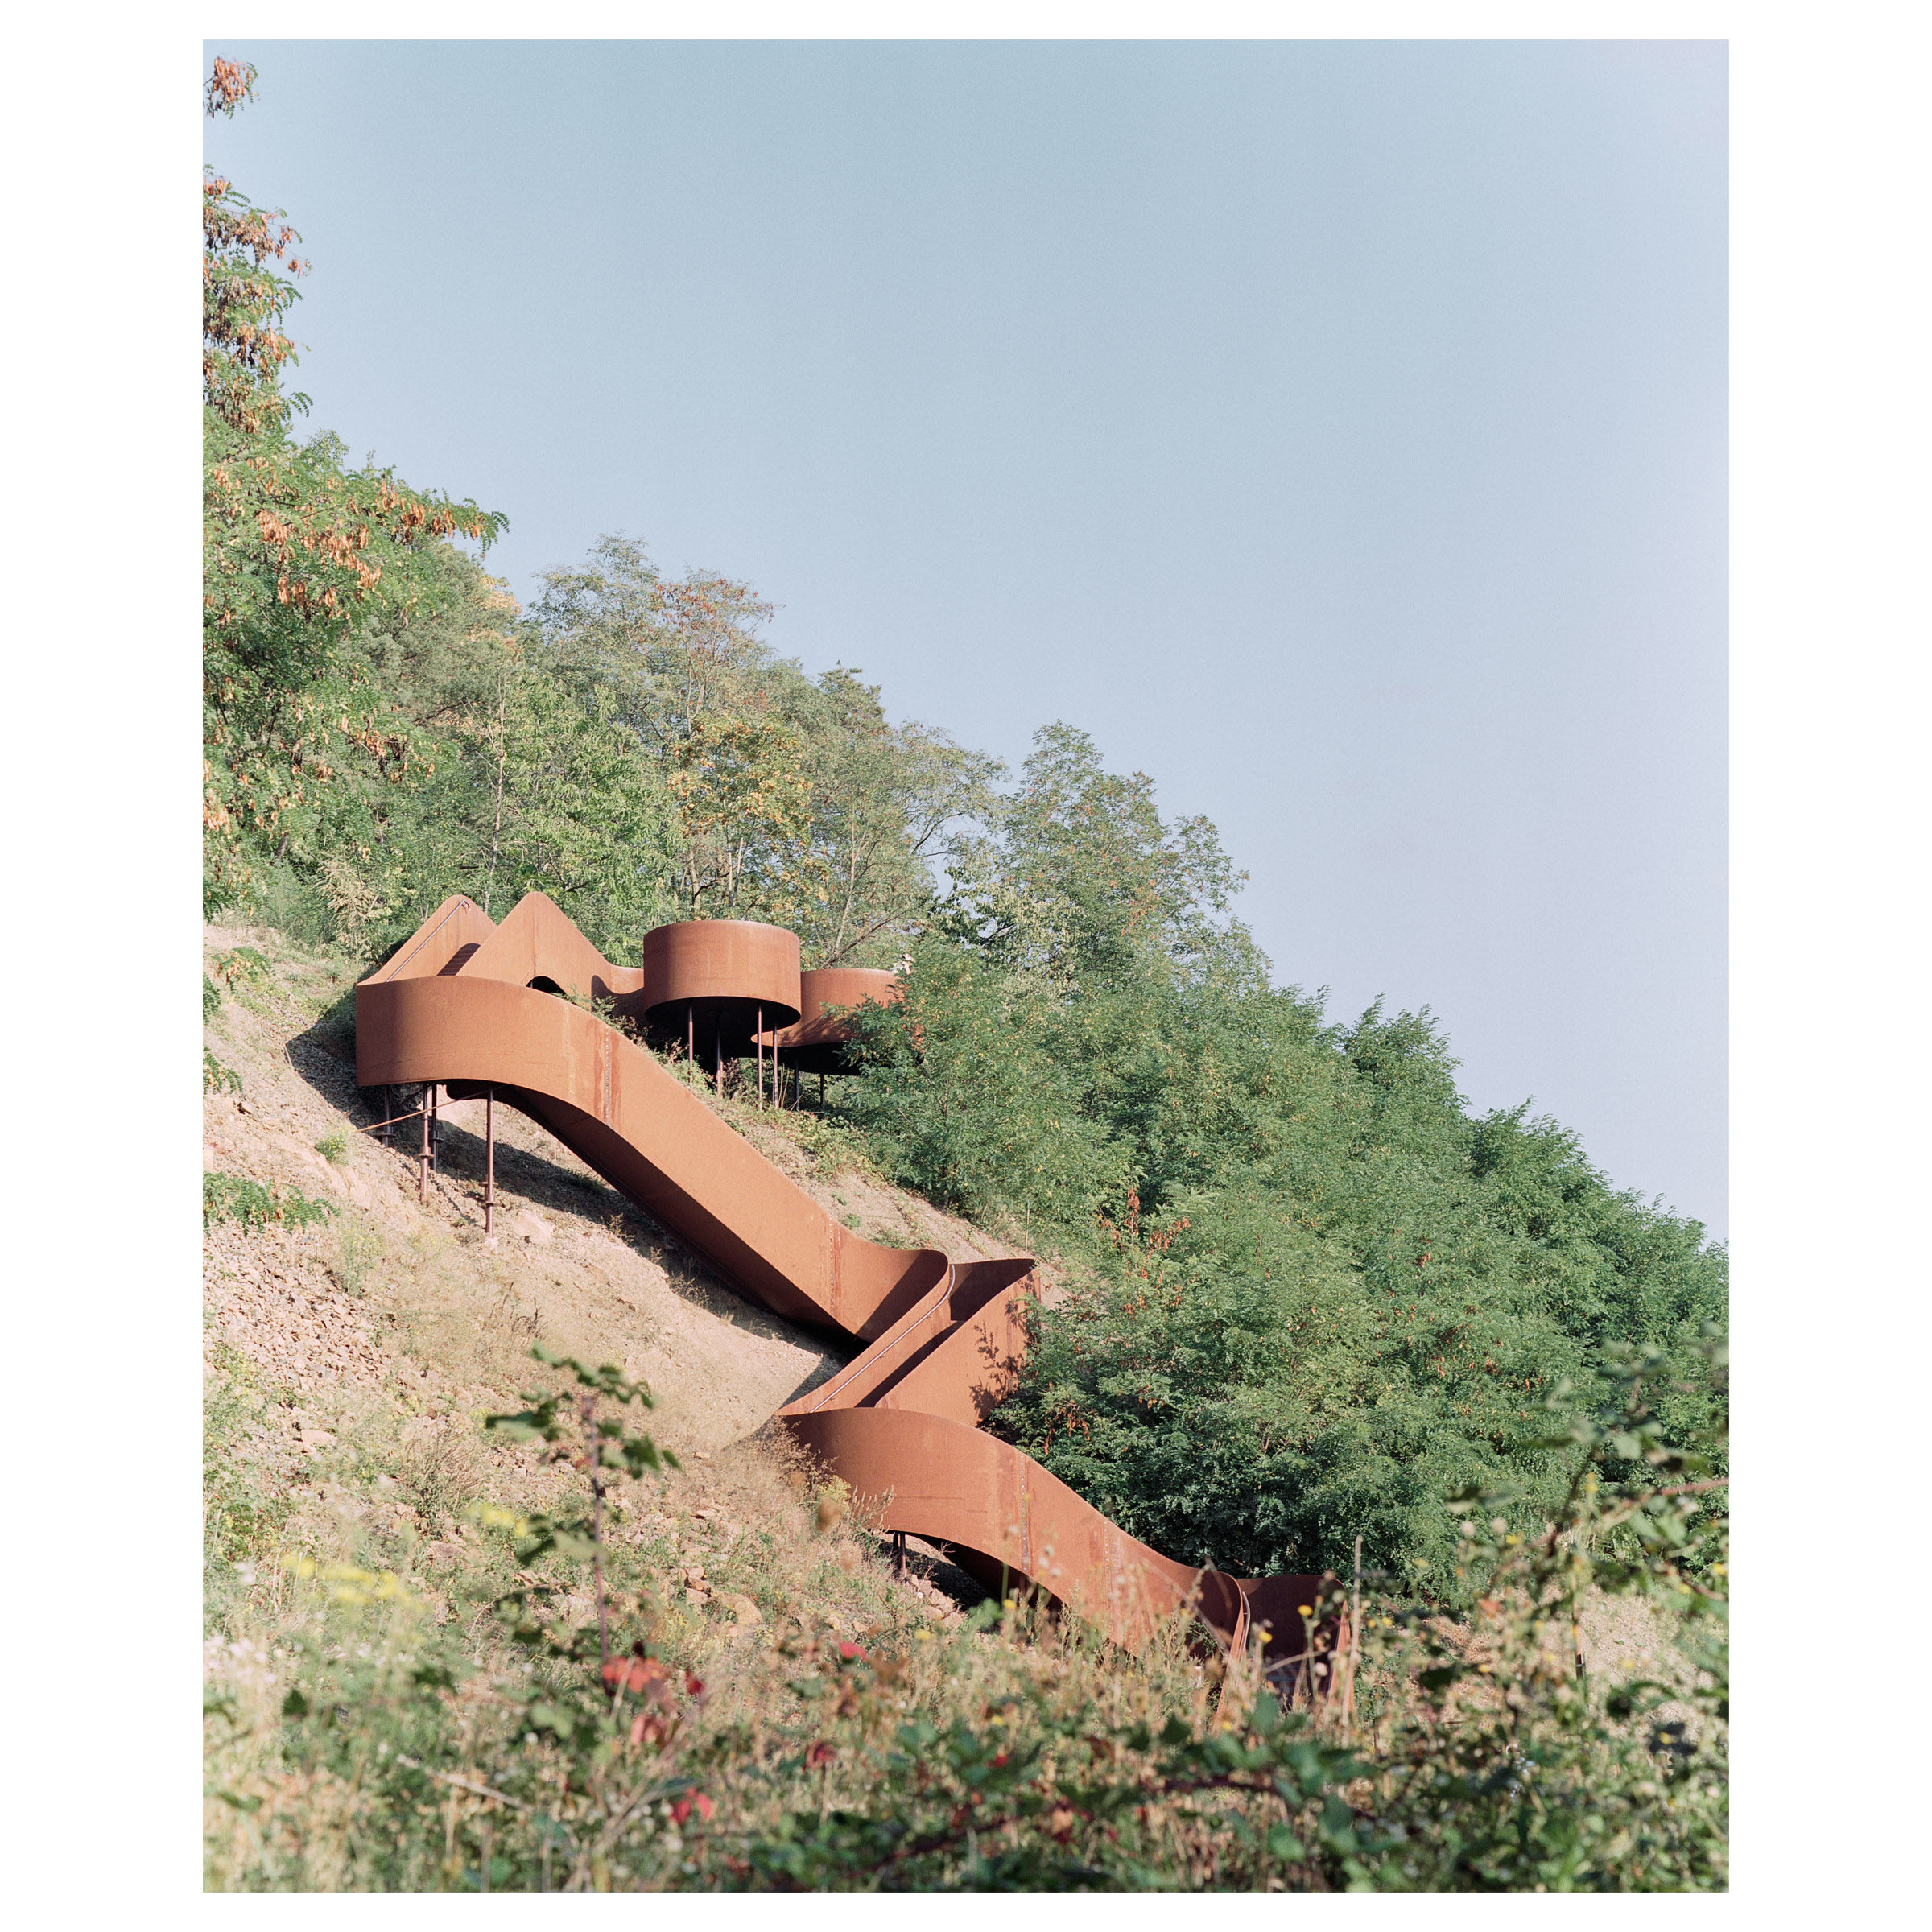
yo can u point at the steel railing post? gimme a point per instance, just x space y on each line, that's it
490 1161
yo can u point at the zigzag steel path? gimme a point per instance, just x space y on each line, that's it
456 1005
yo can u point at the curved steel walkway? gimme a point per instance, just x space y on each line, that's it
458 1005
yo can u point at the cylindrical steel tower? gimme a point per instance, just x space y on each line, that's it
720 982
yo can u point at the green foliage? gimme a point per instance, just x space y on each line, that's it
557 1755
359 1249
334 1147
241 1519
606 1445
1515 1773
215 1077
634 751
297 548
882 800
233 1197
1080 878
243 969
798 803
1361 1295
581 816
285 894
1040 1799
962 1098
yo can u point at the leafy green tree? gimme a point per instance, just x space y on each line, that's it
559 801
297 548
670 654
745 804
1080 876
961 1099
883 800
681 665
800 803
1362 1294
534 787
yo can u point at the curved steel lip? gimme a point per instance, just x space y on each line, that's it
727 925
888 1345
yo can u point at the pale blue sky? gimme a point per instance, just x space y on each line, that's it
1335 431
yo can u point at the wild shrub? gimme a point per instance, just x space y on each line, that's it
961 1099
215 1077
243 969
359 1250
242 1515
1365 1291
440 1468
585 1752
233 1197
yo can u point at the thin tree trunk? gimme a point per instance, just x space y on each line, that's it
496 829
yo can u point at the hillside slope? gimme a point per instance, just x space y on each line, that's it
384 1335
575 1265
376 1340
359 1520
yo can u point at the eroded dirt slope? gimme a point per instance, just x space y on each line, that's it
381 1336
387 1332
574 1265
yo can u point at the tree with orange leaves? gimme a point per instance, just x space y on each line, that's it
297 549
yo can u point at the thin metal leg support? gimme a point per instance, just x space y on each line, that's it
490 1161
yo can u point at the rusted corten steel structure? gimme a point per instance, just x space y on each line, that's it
728 982
817 1043
468 1005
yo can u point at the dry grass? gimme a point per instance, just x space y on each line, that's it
349 1371
364 1356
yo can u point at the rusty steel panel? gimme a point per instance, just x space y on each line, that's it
814 1043
734 962
537 941
442 943
456 1006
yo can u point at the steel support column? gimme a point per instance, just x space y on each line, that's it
489 1160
